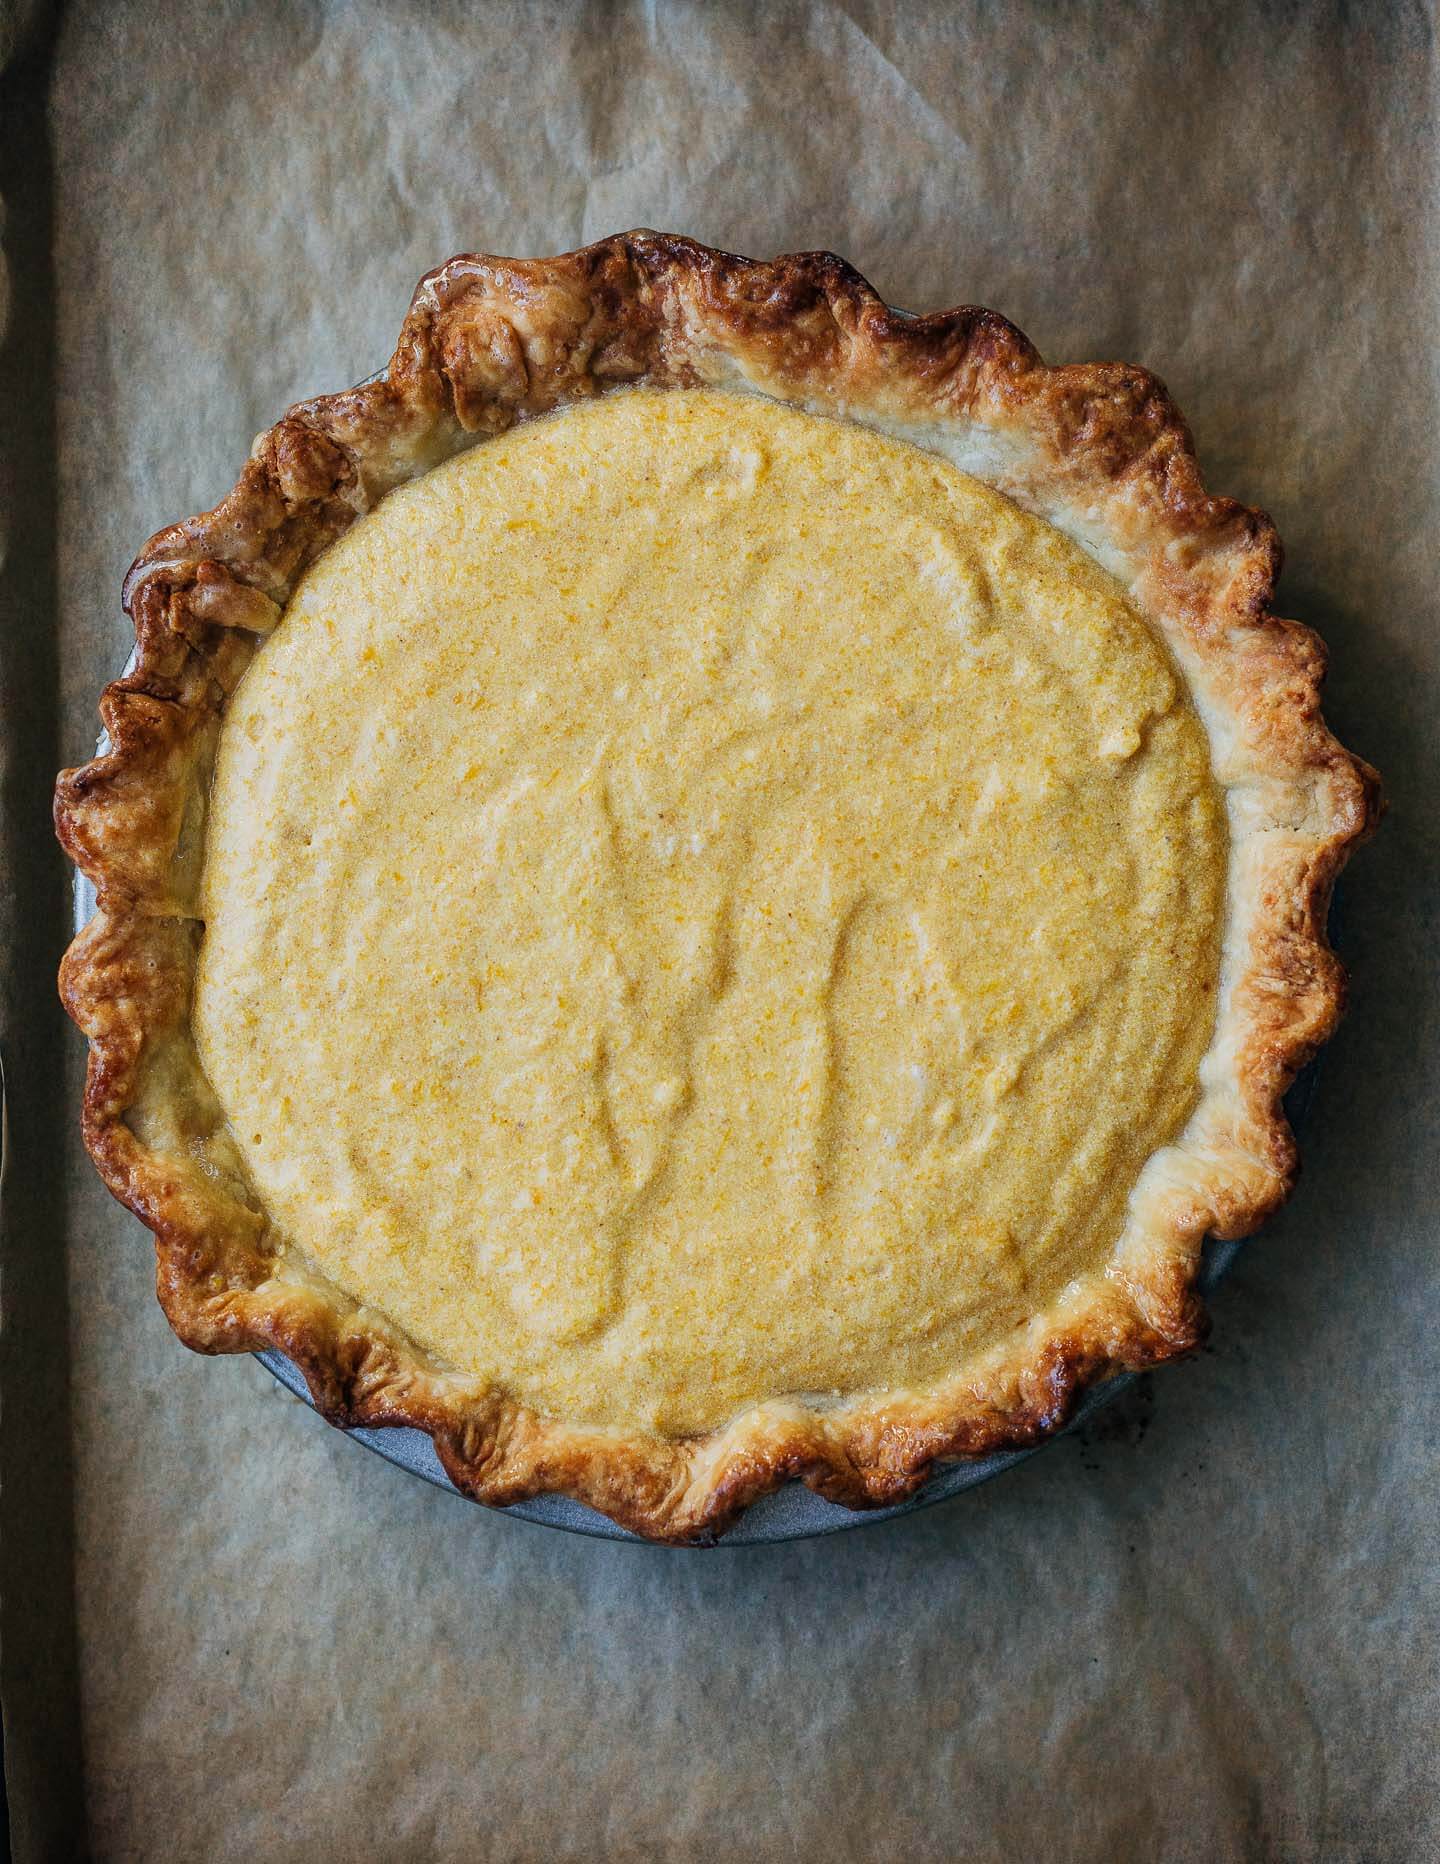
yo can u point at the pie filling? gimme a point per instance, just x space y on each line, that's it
704 904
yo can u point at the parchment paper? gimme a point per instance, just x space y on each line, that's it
1206 1631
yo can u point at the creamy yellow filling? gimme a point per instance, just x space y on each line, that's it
706 903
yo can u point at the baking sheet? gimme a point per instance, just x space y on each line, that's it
1206 1629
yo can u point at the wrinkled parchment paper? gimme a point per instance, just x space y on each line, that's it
1207 1630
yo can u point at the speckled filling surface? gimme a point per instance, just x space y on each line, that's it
706 903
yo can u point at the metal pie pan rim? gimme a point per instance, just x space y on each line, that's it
792 1512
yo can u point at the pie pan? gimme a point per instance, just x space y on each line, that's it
1099 450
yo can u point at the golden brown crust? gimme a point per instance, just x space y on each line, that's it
1098 449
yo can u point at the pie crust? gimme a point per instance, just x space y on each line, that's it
1096 450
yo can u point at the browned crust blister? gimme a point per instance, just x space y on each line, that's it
1098 449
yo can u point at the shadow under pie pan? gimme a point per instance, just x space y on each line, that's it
790 1513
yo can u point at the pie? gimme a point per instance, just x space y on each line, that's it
704 884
